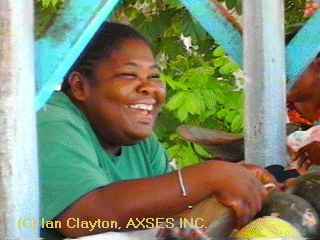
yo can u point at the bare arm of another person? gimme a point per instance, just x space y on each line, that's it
232 185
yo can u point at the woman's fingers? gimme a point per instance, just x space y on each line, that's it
308 155
248 203
243 215
265 177
303 157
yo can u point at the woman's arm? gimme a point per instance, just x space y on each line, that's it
232 185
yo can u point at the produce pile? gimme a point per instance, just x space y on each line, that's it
293 214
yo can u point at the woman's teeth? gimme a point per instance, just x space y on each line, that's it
145 107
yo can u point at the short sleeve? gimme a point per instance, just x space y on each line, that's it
160 159
69 166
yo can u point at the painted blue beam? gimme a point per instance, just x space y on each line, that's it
72 30
300 52
205 12
303 48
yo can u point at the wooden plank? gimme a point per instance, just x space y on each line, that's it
72 30
264 66
302 49
207 14
19 198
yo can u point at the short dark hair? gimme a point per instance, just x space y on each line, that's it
107 39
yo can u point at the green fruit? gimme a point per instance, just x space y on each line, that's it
267 228
308 187
294 210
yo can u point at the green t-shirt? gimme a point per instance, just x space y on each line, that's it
73 163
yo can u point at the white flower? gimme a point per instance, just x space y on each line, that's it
187 42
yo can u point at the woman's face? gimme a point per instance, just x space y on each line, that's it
123 104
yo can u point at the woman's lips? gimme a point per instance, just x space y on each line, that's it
143 116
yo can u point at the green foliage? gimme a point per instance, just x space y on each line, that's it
294 15
45 14
49 3
233 5
200 90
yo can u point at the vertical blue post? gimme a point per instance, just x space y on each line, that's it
264 66
19 200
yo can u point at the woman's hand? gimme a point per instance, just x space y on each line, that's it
266 178
237 188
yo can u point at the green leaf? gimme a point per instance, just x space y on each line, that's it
239 7
172 46
231 3
235 100
183 112
174 4
220 61
192 28
54 2
45 3
176 101
237 124
201 151
175 85
230 116
198 77
50 3
184 155
229 68
222 113
218 52
194 103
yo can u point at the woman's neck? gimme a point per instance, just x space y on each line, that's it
113 150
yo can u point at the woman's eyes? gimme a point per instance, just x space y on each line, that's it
155 77
128 75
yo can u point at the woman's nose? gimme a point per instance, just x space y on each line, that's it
155 89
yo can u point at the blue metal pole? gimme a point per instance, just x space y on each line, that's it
19 200
264 66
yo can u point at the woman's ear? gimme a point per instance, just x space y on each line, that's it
79 86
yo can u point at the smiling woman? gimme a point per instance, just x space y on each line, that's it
123 91
117 83
99 160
